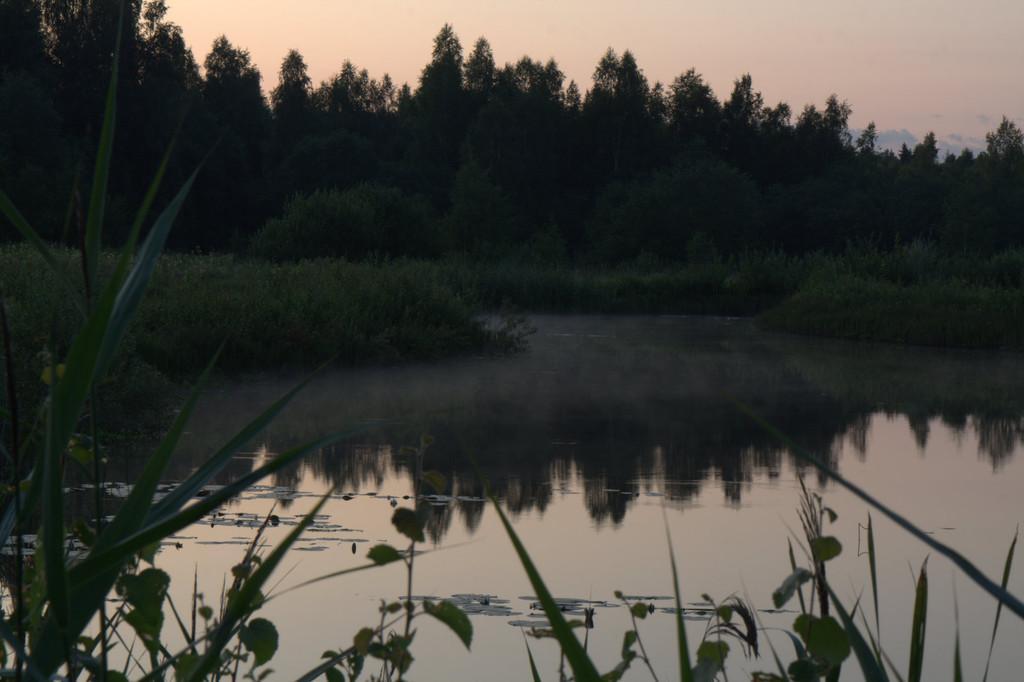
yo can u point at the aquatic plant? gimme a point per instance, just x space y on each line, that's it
59 620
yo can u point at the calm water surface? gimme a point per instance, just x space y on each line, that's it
606 424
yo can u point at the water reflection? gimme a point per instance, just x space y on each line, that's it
618 408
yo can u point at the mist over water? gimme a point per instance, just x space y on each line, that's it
587 436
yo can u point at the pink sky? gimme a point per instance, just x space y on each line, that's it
945 65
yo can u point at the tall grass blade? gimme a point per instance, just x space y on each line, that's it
918 626
128 295
969 569
94 565
194 483
793 567
135 508
8 209
872 671
533 666
685 669
241 603
101 172
52 531
91 576
958 666
582 667
874 580
999 607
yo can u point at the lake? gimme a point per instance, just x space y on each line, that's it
606 429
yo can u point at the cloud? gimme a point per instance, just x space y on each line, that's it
952 143
983 119
894 139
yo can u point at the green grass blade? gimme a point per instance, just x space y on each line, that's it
872 671
958 666
52 530
128 294
101 171
793 567
999 607
685 669
874 579
582 667
136 507
132 514
919 626
8 636
91 576
241 603
1011 602
8 209
533 666
95 564
194 483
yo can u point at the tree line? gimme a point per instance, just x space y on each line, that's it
477 159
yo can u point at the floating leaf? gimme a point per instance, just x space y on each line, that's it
260 637
452 616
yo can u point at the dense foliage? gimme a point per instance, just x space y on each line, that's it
476 159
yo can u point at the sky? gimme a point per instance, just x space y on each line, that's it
911 66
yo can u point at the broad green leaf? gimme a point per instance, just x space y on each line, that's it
628 640
825 548
789 586
260 637
362 640
383 554
145 593
803 670
715 651
452 616
824 637
184 666
408 524
334 675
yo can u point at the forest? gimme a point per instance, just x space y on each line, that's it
480 160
